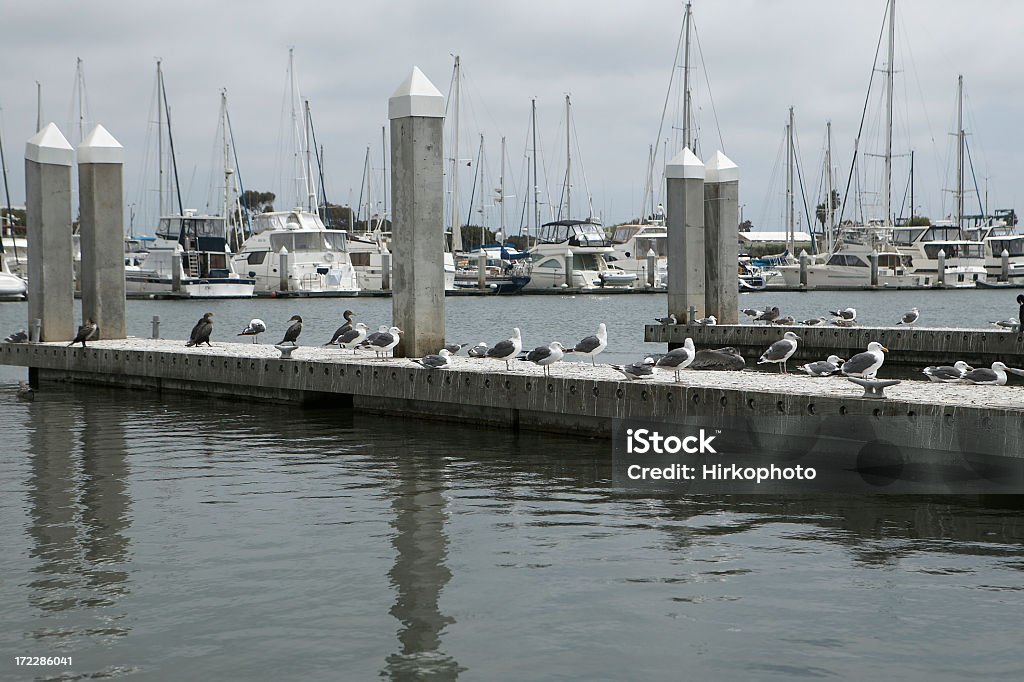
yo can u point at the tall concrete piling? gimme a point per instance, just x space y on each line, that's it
684 221
101 202
721 238
51 297
940 268
1004 266
416 111
805 260
873 262
570 269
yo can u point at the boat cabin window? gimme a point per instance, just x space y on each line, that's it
576 234
360 259
586 261
1014 247
308 241
257 258
550 263
905 236
847 259
645 244
942 233
954 250
205 226
624 233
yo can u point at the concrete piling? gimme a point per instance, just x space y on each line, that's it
48 159
156 327
176 271
1004 266
101 202
721 245
940 268
284 267
481 269
570 269
652 268
684 222
873 261
385 270
804 262
416 112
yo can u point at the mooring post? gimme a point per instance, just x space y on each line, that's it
721 246
940 266
805 260
873 261
1004 266
684 222
101 203
385 269
416 111
481 269
570 269
51 293
652 268
156 326
34 330
176 271
284 267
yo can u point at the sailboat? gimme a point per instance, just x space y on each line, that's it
11 286
190 256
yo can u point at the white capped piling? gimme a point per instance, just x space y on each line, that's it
481 269
684 221
156 327
48 159
1004 266
101 204
385 269
416 111
940 266
284 267
176 271
721 233
805 260
873 260
570 269
652 268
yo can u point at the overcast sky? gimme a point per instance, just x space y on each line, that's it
615 58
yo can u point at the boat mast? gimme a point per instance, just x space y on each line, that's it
960 151
10 215
568 160
384 175
456 222
228 171
312 205
159 139
686 83
790 194
501 191
480 188
889 71
829 209
536 184
80 87
911 185
39 106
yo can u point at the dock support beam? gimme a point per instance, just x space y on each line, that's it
51 297
721 246
684 221
416 111
101 202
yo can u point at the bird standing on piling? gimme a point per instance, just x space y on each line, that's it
594 344
865 365
752 312
910 317
293 331
87 332
545 356
823 368
769 315
678 359
439 361
509 348
947 374
201 332
780 351
255 328
346 327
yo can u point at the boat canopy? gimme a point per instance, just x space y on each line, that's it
575 232
176 228
322 240
286 220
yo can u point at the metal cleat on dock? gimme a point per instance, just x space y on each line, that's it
873 388
286 350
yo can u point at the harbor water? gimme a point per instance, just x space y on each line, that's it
182 537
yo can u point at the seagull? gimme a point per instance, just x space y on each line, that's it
840 322
780 351
293 331
20 336
87 332
752 312
25 392
845 313
348 314
785 321
823 368
478 351
948 374
509 348
1006 324
592 345
769 315
670 319
987 377
255 328
353 337
545 356
727 358
678 359
439 361
708 321
637 370
813 321
910 317
865 365
383 341
201 332
454 348
372 338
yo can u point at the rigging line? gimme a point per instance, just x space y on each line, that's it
977 192
170 139
800 179
238 173
707 82
772 181
668 96
863 114
319 164
583 172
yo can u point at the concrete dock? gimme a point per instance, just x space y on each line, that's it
577 398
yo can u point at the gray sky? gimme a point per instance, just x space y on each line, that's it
614 58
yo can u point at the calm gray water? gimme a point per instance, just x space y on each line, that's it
188 538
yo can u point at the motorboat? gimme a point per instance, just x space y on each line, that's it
582 240
506 269
632 245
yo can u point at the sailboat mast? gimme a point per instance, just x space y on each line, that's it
384 175
568 159
961 139
501 190
829 208
227 153
160 139
456 221
911 184
889 71
308 182
480 188
790 194
80 87
39 106
686 82
536 183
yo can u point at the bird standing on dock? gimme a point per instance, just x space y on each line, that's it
947 374
670 319
769 315
509 348
786 321
594 344
823 368
987 377
840 322
293 331
20 336
910 317
439 361
845 313
545 356
814 321
478 351
87 332
353 337
255 328
346 327
642 369
678 359
25 392
780 351
201 332
454 348
383 341
865 365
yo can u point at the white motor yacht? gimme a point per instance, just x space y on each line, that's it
631 245
585 242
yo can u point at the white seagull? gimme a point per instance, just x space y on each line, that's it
865 365
594 344
637 370
255 328
439 361
947 374
987 377
845 313
355 336
823 368
509 348
545 356
678 359
910 317
780 351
